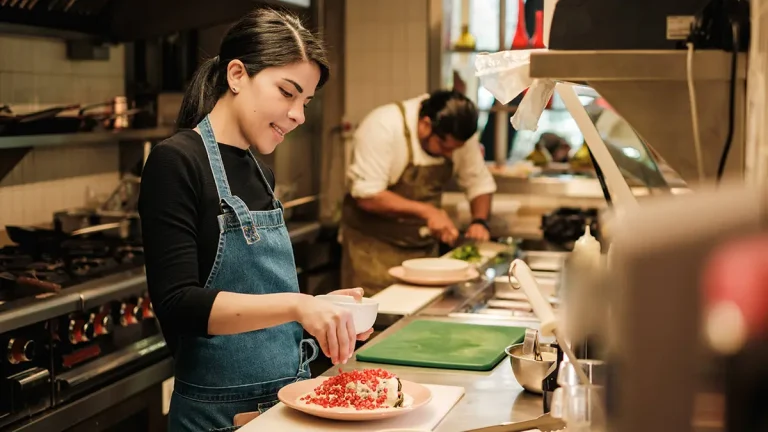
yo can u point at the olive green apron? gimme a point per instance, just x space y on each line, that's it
374 243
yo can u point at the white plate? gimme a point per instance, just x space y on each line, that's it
399 273
426 268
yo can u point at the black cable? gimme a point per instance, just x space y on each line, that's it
731 103
601 178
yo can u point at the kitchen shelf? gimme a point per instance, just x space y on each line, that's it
27 141
656 65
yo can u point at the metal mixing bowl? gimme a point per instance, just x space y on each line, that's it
529 372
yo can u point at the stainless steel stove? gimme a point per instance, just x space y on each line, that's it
75 321
493 297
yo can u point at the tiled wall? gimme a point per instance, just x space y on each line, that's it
386 59
386 53
35 73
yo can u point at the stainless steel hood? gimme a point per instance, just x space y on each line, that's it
123 20
649 89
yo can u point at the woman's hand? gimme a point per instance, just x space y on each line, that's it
357 293
331 325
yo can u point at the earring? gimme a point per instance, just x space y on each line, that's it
234 90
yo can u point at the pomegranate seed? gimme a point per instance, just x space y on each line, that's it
334 393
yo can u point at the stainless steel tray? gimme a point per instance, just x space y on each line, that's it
545 260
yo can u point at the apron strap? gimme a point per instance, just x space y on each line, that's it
407 132
233 204
228 203
275 202
214 158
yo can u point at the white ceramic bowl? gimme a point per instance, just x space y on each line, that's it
444 268
363 314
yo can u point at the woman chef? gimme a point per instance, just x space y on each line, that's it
404 155
219 261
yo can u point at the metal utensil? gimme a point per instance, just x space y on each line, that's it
531 344
123 226
544 423
31 281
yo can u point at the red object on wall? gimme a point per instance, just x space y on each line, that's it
520 41
537 41
602 103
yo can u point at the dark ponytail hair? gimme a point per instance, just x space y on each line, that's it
264 38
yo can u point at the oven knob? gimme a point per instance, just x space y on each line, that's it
80 331
89 331
20 351
103 324
120 315
138 310
130 313
147 311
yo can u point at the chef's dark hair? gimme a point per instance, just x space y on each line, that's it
261 39
451 113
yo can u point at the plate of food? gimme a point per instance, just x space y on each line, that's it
357 395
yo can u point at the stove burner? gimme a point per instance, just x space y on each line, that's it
12 258
87 247
88 266
57 276
27 272
46 266
130 254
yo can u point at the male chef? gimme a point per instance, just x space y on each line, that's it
404 156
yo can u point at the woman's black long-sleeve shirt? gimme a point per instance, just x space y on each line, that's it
179 205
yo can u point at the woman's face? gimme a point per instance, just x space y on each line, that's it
270 104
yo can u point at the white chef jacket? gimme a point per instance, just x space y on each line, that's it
380 154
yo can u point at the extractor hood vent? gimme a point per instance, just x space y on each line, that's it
123 20
83 16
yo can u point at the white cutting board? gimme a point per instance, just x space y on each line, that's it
401 299
284 419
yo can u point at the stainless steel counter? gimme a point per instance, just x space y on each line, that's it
490 397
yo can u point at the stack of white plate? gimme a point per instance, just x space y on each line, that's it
434 271
439 268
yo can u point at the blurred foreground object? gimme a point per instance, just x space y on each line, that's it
662 255
736 293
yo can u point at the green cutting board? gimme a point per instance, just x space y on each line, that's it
445 345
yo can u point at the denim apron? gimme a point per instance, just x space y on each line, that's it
221 376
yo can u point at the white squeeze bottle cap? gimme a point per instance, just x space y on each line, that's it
587 248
